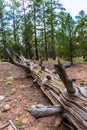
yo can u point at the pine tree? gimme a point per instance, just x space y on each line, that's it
65 37
81 34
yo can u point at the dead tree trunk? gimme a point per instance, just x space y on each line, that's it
61 90
68 82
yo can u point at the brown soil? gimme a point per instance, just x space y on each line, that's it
18 93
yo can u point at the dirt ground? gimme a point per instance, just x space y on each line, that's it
16 91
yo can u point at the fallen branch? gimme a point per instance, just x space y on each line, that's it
7 124
39 111
12 125
67 65
4 126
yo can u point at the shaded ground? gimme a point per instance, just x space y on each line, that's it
19 94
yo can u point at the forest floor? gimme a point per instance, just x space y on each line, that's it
16 94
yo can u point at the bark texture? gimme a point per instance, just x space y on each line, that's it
40 110
60 89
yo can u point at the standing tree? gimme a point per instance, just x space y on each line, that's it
45 34
27 37
15 23
35 28
65 37
52 23
81 37
2 27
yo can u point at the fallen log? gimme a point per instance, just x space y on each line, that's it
61 91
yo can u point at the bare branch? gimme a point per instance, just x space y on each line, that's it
3 126
68 82
67 65
12 125
39 111
11 60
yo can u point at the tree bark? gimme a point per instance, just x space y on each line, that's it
39 111
68 82
52 34
4 57
45 35
60 90
14 26
35 32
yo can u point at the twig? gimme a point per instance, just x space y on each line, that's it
12 124
3 126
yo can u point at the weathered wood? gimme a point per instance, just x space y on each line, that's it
68 82
4 126
12 125
41 62
7 124
60 89
67 65
23 65
40 110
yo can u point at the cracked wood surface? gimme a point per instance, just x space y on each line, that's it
74 104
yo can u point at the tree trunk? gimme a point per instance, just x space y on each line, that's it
36 46
45 36
71 49
14 26
25 22
3 36
52 35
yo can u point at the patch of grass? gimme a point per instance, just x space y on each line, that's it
1 62
12 93
79 60
1 80
30 99
86 84
81 80
9 80
18 123
6 94
17 78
